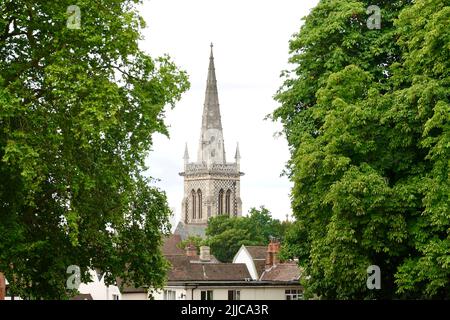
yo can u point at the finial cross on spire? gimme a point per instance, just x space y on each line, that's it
211 56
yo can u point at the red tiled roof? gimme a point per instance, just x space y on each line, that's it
170 245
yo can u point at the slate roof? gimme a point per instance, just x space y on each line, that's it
258 255
186 269
260 266
257 252
186 230
288 271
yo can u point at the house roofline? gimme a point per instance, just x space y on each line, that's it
253 283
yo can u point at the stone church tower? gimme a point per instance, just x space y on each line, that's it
211 184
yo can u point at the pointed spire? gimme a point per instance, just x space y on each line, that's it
238 154
211 112
211 146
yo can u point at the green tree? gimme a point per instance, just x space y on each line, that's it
225 235
195 240
292 246
78 108
422 97
366 113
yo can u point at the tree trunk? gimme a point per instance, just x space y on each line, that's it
2 286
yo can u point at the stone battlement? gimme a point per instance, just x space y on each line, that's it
215 168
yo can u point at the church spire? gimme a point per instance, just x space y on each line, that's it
211 147
211 184
211 111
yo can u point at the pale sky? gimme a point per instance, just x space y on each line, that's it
251 49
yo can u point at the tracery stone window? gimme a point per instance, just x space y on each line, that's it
228 202
220 202
194 204
199 196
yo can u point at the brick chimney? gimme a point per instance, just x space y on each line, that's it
191 250
273 249
205 254
2 286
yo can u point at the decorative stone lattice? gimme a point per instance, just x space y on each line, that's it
214 169
226 185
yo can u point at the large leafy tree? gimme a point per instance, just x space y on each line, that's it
366 116
225 234
422 99
78 108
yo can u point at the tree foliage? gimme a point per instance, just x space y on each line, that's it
78 108
225 235
366 115
197 241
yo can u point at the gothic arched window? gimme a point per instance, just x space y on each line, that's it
228 202
199 196
220 202
194 206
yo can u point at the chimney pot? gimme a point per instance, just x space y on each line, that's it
205 254
191 250
273 250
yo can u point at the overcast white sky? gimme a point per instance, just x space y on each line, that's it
251 49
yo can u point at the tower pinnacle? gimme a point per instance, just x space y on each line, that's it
186 153
238 154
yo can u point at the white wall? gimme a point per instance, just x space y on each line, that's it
135 296
242 256
254 293
98 289
264 293
221 293
181 293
